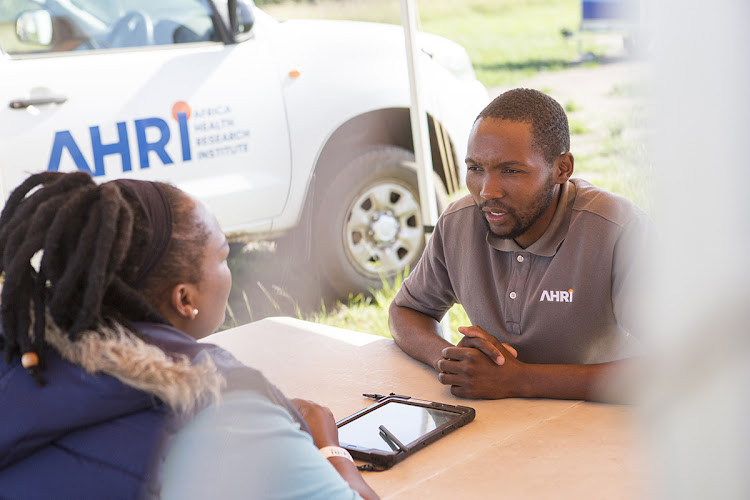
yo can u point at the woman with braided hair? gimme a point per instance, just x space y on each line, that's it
104 390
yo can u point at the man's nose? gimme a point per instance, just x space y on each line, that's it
492 187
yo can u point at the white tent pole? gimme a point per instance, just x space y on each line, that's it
419 131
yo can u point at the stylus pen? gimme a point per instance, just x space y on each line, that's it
378 397
388 441
393 438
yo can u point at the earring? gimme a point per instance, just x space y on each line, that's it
29 360
195 313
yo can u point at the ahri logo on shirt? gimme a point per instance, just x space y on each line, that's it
557 296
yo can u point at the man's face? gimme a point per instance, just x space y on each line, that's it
509 180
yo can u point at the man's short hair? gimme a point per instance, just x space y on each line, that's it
549 124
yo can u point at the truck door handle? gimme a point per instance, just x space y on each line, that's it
25 103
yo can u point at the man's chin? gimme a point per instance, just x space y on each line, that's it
503 234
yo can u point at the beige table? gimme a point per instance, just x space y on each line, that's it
515 448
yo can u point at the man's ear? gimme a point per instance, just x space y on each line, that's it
563 167
182 300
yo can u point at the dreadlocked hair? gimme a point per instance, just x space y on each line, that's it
70 251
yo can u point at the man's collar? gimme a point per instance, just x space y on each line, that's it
547 245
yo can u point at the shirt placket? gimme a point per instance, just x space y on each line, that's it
516 295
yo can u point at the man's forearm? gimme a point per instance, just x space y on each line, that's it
597 382
417 334
481 367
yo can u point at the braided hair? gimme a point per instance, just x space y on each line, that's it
70 251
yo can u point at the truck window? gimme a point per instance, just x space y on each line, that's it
36 27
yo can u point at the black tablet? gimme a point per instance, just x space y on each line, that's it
393 428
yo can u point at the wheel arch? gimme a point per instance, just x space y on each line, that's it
384 127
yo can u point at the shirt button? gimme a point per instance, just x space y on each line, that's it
512 295
519 258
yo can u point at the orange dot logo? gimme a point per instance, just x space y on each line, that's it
180 107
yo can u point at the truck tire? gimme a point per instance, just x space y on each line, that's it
368 226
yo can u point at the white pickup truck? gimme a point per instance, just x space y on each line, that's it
278 126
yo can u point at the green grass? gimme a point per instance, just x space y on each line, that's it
621 165
370 313
572 107
363 313
507 40
577 127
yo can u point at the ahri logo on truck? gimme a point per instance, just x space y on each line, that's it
214 127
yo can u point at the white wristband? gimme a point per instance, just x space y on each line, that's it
336 451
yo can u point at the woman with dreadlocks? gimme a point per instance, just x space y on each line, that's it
104 391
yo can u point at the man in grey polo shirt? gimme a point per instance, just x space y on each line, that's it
544 265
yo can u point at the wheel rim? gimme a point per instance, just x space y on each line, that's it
383 232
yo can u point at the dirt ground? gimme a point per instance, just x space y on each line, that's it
595 96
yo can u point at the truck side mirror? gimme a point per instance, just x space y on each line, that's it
34 26
241 17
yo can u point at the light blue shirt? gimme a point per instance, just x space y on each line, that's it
247 447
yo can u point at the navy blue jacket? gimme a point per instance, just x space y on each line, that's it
80 436
91 436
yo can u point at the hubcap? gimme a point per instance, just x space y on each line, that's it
384 227
383 231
